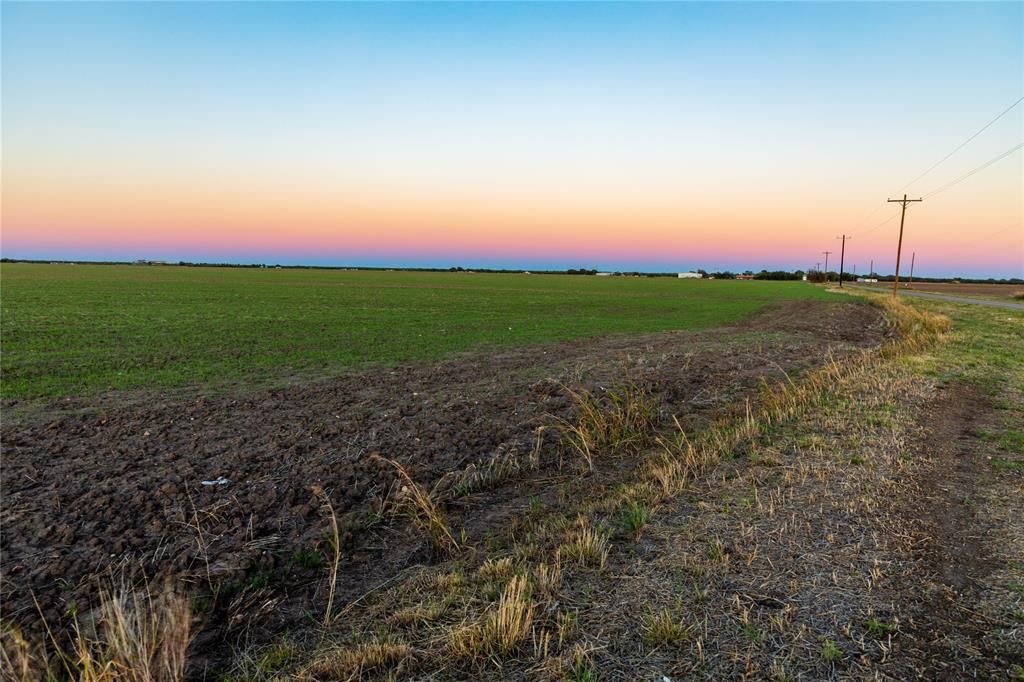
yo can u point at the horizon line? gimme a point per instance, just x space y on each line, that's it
458 268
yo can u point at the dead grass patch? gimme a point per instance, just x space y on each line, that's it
504 627
363 659
586 546
137 636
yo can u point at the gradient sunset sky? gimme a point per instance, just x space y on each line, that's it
616 136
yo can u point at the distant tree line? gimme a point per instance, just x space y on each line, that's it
812 275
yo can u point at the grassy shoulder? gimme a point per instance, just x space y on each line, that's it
79 330
985 350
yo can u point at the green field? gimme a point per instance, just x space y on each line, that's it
84 329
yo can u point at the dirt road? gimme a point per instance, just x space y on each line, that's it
951 299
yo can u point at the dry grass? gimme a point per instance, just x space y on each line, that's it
138 636
20 658
586 546
504 628
918 328
328 508
146 636
664 627
362 660
419 614
617 421
486 473
548 578
422 509
496 569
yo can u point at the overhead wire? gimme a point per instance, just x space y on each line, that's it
939 163
988 236
968 174
963 144
872 229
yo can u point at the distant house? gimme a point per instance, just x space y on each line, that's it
871 280
744 277
689 275
604 274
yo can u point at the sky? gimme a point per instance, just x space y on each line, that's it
618 136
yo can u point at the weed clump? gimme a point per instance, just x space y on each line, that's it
503 629
616 422
423 511
664 628
634 516
362 659
139 637
586 546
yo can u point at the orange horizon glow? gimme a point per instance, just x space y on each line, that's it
676 156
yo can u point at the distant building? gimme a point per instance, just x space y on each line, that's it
604 274
744 277
689 275
871 280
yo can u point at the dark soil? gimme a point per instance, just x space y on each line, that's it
117 490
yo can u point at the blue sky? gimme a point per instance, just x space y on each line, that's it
621 135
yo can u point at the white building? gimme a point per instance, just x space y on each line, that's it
867 279
689 275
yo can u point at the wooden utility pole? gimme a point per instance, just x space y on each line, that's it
842 257
826 263
899 245
872 270
913 256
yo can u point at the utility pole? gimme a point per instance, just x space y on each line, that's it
826 263
913 256
899 245
842 258
872 270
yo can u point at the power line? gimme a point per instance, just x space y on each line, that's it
870 215
970 173
936 165
945 187
972 242
872 229
963 144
